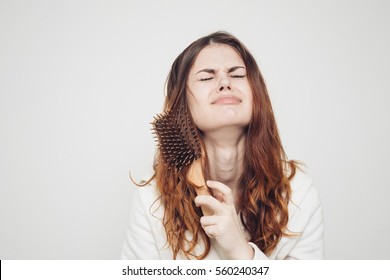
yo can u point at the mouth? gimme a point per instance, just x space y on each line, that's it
228 99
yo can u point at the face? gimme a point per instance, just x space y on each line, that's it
219 94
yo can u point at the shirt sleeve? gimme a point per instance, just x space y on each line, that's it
139 242
306 224
310 243
258 254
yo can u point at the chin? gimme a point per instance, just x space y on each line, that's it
223 121
214 127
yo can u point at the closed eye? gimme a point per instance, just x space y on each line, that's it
237 76
206 79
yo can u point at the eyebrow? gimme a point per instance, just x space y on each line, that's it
212 71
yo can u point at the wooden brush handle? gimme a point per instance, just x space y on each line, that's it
195 176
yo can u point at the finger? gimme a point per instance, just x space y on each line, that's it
212 231
208 224
223 189
209 202
206 221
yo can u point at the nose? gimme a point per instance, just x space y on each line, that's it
224 84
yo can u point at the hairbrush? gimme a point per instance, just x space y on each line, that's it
179 144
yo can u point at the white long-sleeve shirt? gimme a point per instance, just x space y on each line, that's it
146 237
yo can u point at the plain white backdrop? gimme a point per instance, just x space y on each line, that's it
80 82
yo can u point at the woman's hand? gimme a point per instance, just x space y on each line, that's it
224 226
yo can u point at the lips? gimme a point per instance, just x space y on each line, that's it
227 99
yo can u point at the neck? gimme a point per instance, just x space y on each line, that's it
225 151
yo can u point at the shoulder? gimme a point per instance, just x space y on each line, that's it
300 184
146 210
305 198
144 235
147 197
305 219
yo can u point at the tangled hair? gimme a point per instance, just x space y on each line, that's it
264 187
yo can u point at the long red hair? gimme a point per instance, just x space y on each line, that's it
264 188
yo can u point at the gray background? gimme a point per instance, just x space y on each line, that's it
81 80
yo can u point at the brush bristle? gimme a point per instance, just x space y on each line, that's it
177 138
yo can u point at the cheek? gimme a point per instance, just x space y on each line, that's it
195 107
201 113
249 105
198 97
250 102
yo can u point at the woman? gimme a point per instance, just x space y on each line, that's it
263 206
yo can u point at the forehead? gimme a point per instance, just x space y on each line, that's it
216 56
